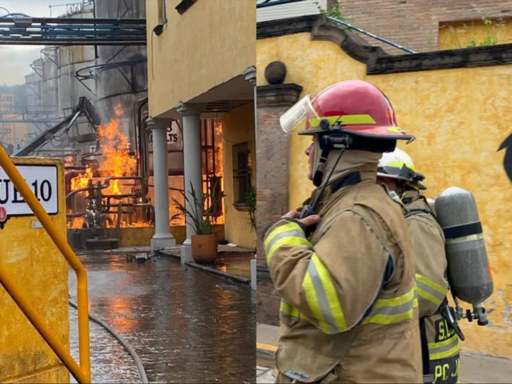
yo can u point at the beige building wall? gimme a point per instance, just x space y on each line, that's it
238 127
196 52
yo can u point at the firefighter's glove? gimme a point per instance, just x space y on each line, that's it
307 221
308 224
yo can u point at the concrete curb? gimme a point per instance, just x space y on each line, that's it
206 269
219 273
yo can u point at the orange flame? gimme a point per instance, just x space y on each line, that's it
118 110
82 180
76 222
69 161
178 220
116 158
219 166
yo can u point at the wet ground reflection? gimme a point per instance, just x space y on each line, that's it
186 325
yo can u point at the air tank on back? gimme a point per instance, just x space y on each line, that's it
469 273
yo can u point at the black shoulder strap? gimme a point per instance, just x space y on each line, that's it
425 356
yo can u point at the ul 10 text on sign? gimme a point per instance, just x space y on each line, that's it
43 182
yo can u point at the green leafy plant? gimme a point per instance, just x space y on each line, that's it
336 11
250 199
196 209
492 33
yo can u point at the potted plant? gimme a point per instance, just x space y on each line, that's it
204 242
250 199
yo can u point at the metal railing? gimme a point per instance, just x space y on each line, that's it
82 372
272 3
369 34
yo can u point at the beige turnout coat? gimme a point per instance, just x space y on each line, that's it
349 310
432 287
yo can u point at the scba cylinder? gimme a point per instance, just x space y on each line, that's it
469 273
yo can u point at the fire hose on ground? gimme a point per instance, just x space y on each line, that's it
126 346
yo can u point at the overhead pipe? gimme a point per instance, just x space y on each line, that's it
350 26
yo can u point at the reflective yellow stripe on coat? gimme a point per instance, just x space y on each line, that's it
322 298
429 290
289 310
289 234
396 310
444 349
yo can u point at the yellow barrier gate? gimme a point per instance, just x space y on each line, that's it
82 372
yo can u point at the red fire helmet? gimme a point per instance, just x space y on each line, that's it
355 107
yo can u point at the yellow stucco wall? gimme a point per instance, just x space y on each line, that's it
211 43
460 117
41 271
476 33
237 127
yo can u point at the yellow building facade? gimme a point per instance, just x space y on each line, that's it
457 104
201 59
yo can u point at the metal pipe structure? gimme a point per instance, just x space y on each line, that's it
72 31
350 26
142 142
81 373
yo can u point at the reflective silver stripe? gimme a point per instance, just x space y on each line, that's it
396 310
292 233
476 237
322 297
431 291
444 349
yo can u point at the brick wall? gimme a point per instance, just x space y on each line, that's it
414 24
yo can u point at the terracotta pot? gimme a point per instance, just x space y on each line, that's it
204 248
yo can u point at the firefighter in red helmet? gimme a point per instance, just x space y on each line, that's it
344 263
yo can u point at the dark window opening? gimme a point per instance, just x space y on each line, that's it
241 175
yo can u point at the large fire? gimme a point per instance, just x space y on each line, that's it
114 160
219 168
116 157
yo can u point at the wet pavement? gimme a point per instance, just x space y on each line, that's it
235 264
109 360
187 326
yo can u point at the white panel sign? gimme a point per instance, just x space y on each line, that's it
174 138
42 179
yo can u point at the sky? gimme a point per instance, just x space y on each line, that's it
15 60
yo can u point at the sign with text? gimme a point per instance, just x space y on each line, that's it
174 138
43 181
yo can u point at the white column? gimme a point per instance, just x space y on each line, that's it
250 76
162 238
192 160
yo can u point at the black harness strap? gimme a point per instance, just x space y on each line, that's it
425 355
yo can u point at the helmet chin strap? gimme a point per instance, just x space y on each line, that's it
310 209
320 168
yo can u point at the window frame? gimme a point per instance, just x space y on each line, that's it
241 175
